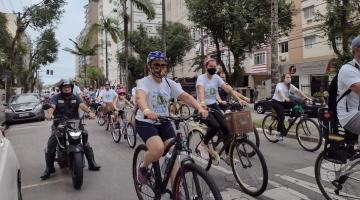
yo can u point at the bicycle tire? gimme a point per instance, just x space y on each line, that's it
268 130
131 138
200 172
184 110
172 109
305 126
100 118
116 134
194 150
248 188
137 185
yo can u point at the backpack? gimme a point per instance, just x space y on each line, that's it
333 101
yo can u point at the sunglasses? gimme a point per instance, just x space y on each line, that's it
159 65
122 94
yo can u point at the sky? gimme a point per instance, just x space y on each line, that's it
72 22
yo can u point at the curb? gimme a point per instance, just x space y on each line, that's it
290 135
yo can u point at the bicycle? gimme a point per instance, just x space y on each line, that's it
100 117
178 108
244 156
307 130
158 181
125 128
337 174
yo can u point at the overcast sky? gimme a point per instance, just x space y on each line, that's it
70 26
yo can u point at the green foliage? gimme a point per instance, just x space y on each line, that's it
241 25
340 24
95 75
5 37
136 67
46 48
44 14
142 5
109 26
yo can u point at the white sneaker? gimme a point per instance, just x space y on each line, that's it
278 136
203 151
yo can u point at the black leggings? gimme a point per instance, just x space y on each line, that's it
215 122
280 107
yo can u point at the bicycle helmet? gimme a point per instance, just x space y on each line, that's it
156 55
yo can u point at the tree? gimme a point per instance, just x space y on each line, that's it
95 75
241 25
5 41
340 24
136 67
83 50
109 26
44 52
144 6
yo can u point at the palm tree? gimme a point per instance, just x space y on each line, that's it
83 50
109 26
144 6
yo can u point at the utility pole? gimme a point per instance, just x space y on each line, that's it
274 44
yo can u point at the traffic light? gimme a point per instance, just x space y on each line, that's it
47 72
51 72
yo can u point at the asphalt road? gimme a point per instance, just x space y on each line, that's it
291 175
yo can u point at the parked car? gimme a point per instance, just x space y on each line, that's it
311 110
263 106
24 107
10 174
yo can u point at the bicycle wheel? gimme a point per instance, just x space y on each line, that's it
251 173
193 182
332 182
308 135
184 110
100 117
172 109
146 191
130 135
194 139
269 126
115 133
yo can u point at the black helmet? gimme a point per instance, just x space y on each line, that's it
63 82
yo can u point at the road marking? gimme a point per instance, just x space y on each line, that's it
222 169
233 194
27 127
284 193
308 171
307 185
42 184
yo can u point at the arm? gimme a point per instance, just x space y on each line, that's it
190 100
50 114
218 99
128 103
115 103
142 104
356 88
233 93
201 95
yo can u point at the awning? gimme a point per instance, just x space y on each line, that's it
257 70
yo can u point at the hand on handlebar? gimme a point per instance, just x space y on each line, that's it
92 115
242 102
204 113
49 117
151 115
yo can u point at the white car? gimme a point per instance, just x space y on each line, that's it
10 175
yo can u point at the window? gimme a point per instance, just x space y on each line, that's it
309 12
260 59
284 47
310 41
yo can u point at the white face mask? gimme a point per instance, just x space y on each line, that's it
287 80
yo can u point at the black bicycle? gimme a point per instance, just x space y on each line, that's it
191 180
307 130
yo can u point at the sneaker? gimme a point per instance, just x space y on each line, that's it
278 136
204 153
142 175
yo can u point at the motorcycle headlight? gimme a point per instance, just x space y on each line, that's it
8 110
75 134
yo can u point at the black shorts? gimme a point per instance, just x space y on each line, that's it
147 130
121 114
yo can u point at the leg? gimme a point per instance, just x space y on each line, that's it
89 153
280 114
50 155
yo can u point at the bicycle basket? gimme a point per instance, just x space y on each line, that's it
239 123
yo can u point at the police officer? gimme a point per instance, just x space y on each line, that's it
66 104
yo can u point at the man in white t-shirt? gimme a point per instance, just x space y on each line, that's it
207 90
349 106
108 97
153 93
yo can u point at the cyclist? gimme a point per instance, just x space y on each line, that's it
348 107
107 96
152 97
281 100
119 104
207 85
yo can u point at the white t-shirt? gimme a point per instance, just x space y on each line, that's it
281 87
76 90
210 86
348 75
157 95
108 96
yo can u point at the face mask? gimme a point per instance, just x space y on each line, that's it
288 80
211 71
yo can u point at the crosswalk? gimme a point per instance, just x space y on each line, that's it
286 187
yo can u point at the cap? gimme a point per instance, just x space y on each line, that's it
355 42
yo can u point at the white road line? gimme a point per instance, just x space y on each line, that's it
233 194
42 184
307 185
222 169
308 171
284 193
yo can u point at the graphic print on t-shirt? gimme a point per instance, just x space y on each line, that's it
159 102
210 93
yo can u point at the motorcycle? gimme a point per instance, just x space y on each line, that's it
70 148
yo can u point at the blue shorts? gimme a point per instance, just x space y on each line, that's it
147 130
